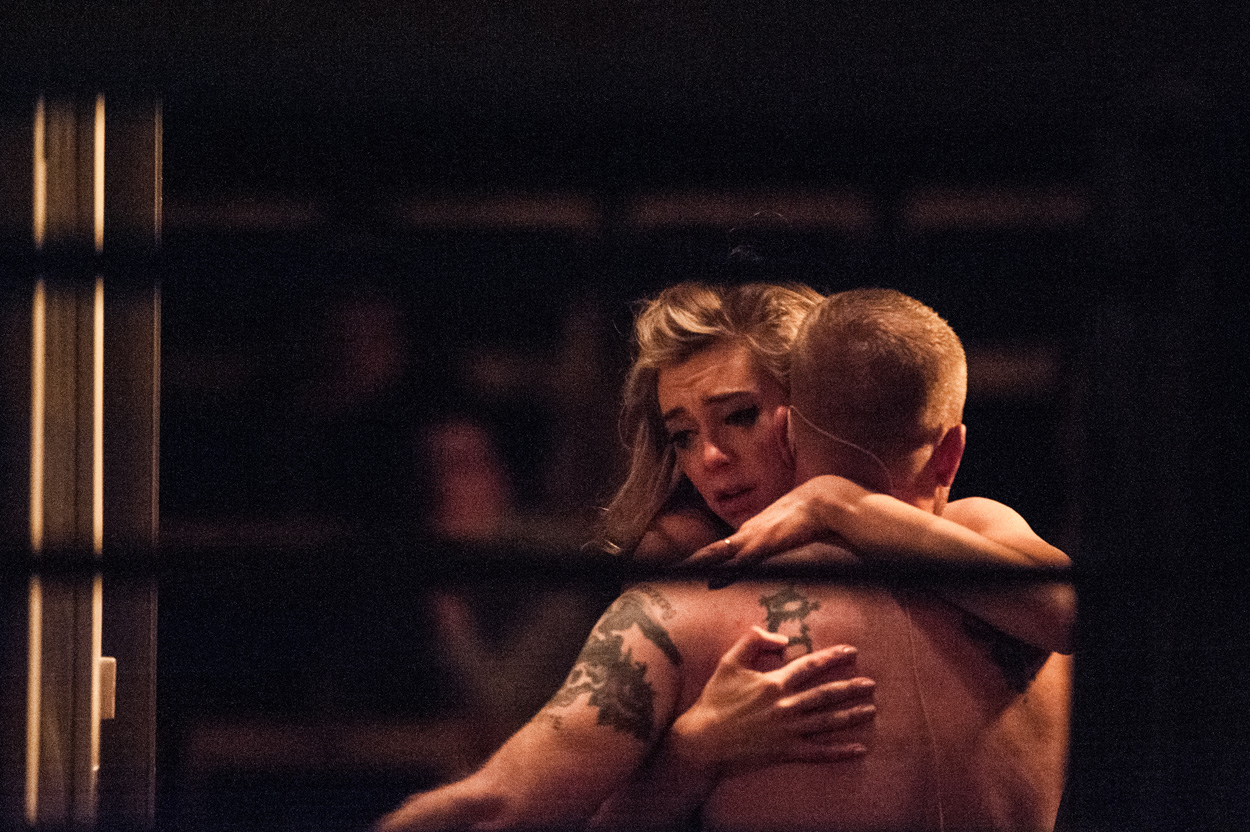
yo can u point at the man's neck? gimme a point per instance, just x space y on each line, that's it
931 500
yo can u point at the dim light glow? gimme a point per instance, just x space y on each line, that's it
98 179
40 208
97 642
97 422
37 394
34 687
34 675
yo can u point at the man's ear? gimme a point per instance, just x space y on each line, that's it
948 454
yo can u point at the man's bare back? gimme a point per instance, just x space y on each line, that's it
966 737
957 743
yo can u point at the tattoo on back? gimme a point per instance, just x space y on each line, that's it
616 683
790 605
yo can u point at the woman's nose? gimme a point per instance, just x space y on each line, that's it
714 454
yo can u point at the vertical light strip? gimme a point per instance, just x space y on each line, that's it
40 211
34 703
97 422
98 179
38 359
34 670
97 648
97 463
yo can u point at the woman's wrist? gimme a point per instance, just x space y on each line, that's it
834 501
688 741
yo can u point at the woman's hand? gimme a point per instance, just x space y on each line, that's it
810 512
745 717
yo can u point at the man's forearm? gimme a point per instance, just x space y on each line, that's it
586 742
466 804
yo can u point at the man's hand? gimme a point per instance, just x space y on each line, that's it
745 717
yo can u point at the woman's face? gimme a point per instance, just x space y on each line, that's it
726 421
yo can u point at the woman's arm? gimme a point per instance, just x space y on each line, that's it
1048 607
877 526
745 717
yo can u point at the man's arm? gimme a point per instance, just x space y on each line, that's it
586 742
881 527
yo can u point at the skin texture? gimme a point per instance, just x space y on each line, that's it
972 532
953 744
726 421
729 706
641 660
798 712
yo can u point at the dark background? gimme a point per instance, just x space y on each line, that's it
293 131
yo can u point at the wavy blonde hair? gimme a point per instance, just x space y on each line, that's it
681 321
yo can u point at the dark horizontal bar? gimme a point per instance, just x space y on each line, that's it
433 562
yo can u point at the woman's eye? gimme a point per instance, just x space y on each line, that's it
680 439
744 417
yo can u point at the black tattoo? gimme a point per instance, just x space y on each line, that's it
552 719
617 684
790 605
658 599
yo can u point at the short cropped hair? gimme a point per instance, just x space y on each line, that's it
880 369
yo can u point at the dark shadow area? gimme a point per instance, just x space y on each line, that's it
398 236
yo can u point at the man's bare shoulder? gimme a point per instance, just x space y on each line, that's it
982 513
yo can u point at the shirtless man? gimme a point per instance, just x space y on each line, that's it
965 737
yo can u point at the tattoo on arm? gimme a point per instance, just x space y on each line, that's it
659 600
787 605
616 683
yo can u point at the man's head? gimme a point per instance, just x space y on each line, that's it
876 373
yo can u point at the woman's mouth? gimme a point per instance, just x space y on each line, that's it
733 500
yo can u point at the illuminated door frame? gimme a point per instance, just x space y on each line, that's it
76 397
